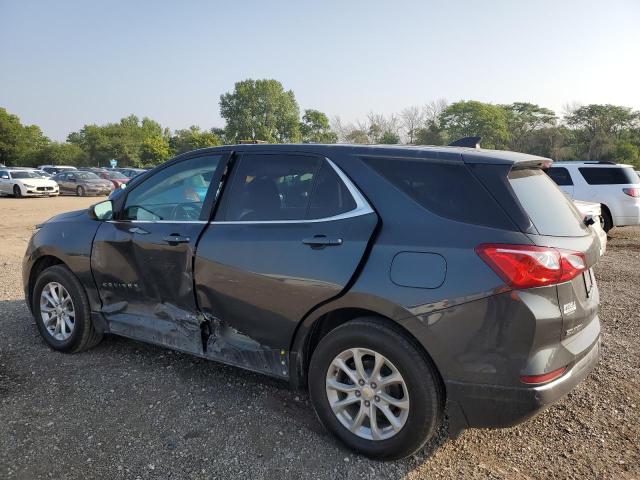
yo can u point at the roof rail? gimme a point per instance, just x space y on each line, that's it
471 142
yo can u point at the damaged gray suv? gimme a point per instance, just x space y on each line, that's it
397 284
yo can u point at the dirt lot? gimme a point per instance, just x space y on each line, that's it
129 410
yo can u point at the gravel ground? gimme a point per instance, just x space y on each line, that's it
129 410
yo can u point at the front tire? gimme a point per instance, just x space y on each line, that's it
607 219
61 309
374 389
17 192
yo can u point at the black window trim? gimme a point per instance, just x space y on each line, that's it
362 206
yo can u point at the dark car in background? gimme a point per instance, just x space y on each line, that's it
81 183
131 172
388 281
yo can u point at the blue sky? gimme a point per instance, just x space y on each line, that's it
67 63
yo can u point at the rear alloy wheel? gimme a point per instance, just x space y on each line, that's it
375 389
80 191
607 221
16 191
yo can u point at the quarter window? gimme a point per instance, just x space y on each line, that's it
560 175
174 193
609 175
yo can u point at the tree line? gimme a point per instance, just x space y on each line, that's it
262 110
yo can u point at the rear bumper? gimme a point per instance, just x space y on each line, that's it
492 406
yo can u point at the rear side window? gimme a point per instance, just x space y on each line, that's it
560 175
609 176
550 210
447 190
330 196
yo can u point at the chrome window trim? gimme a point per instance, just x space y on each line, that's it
362 206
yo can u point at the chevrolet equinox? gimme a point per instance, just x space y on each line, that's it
389 281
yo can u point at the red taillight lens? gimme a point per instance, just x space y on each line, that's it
632 192
544 378
528 266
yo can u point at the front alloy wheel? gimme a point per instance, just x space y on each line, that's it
58 313
367 394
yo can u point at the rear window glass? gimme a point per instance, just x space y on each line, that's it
560 175
609 176
447 190
550 210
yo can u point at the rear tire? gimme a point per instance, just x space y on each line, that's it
607 219
416 403
80 191
77 332
17 192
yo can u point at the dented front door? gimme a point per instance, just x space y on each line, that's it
142 261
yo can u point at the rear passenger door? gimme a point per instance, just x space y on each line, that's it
289 234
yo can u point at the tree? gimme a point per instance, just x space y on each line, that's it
315 128
523 119
389 138
56 153
598 127
19 143
412 120
260 110
192 138
469 118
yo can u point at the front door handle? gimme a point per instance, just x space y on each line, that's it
319 241
175 239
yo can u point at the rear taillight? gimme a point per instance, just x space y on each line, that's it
632 192
528 266
544 378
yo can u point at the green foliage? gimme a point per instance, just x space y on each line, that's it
469 118
389 138
19 144
430 135
357 136
56 153
523 119
193 138
260 110
315 128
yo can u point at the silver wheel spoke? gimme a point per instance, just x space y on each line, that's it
396 402
68 322
48 298
393 420
357 360
341 387
357 422
343 366
377 366
373 421
340 404
391 379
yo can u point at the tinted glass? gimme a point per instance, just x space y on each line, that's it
609 176
550 211
24 175
174 193
447 190
115 175
271 187
331 196
85 175
560 175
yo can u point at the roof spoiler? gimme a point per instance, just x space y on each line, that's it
471 142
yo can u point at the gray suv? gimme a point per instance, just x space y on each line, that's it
397 284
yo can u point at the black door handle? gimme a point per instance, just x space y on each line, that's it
175 239
319 241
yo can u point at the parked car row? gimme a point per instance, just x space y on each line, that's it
51 180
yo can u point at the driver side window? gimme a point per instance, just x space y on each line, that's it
175 193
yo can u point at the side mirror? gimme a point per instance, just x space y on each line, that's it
101 211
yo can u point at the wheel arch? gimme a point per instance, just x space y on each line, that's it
39 266
324 320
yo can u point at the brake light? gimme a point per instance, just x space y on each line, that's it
529 266
544 378
632 192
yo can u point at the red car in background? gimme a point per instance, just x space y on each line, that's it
117 178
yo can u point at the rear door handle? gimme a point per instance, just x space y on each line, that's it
175 239
319 241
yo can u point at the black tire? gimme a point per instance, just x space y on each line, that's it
17 192
84 335
80 191
607 219
423 385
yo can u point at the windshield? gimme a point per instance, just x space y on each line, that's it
86 175
24 175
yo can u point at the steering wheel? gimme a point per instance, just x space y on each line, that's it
186 211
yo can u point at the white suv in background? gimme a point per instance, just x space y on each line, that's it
615 186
